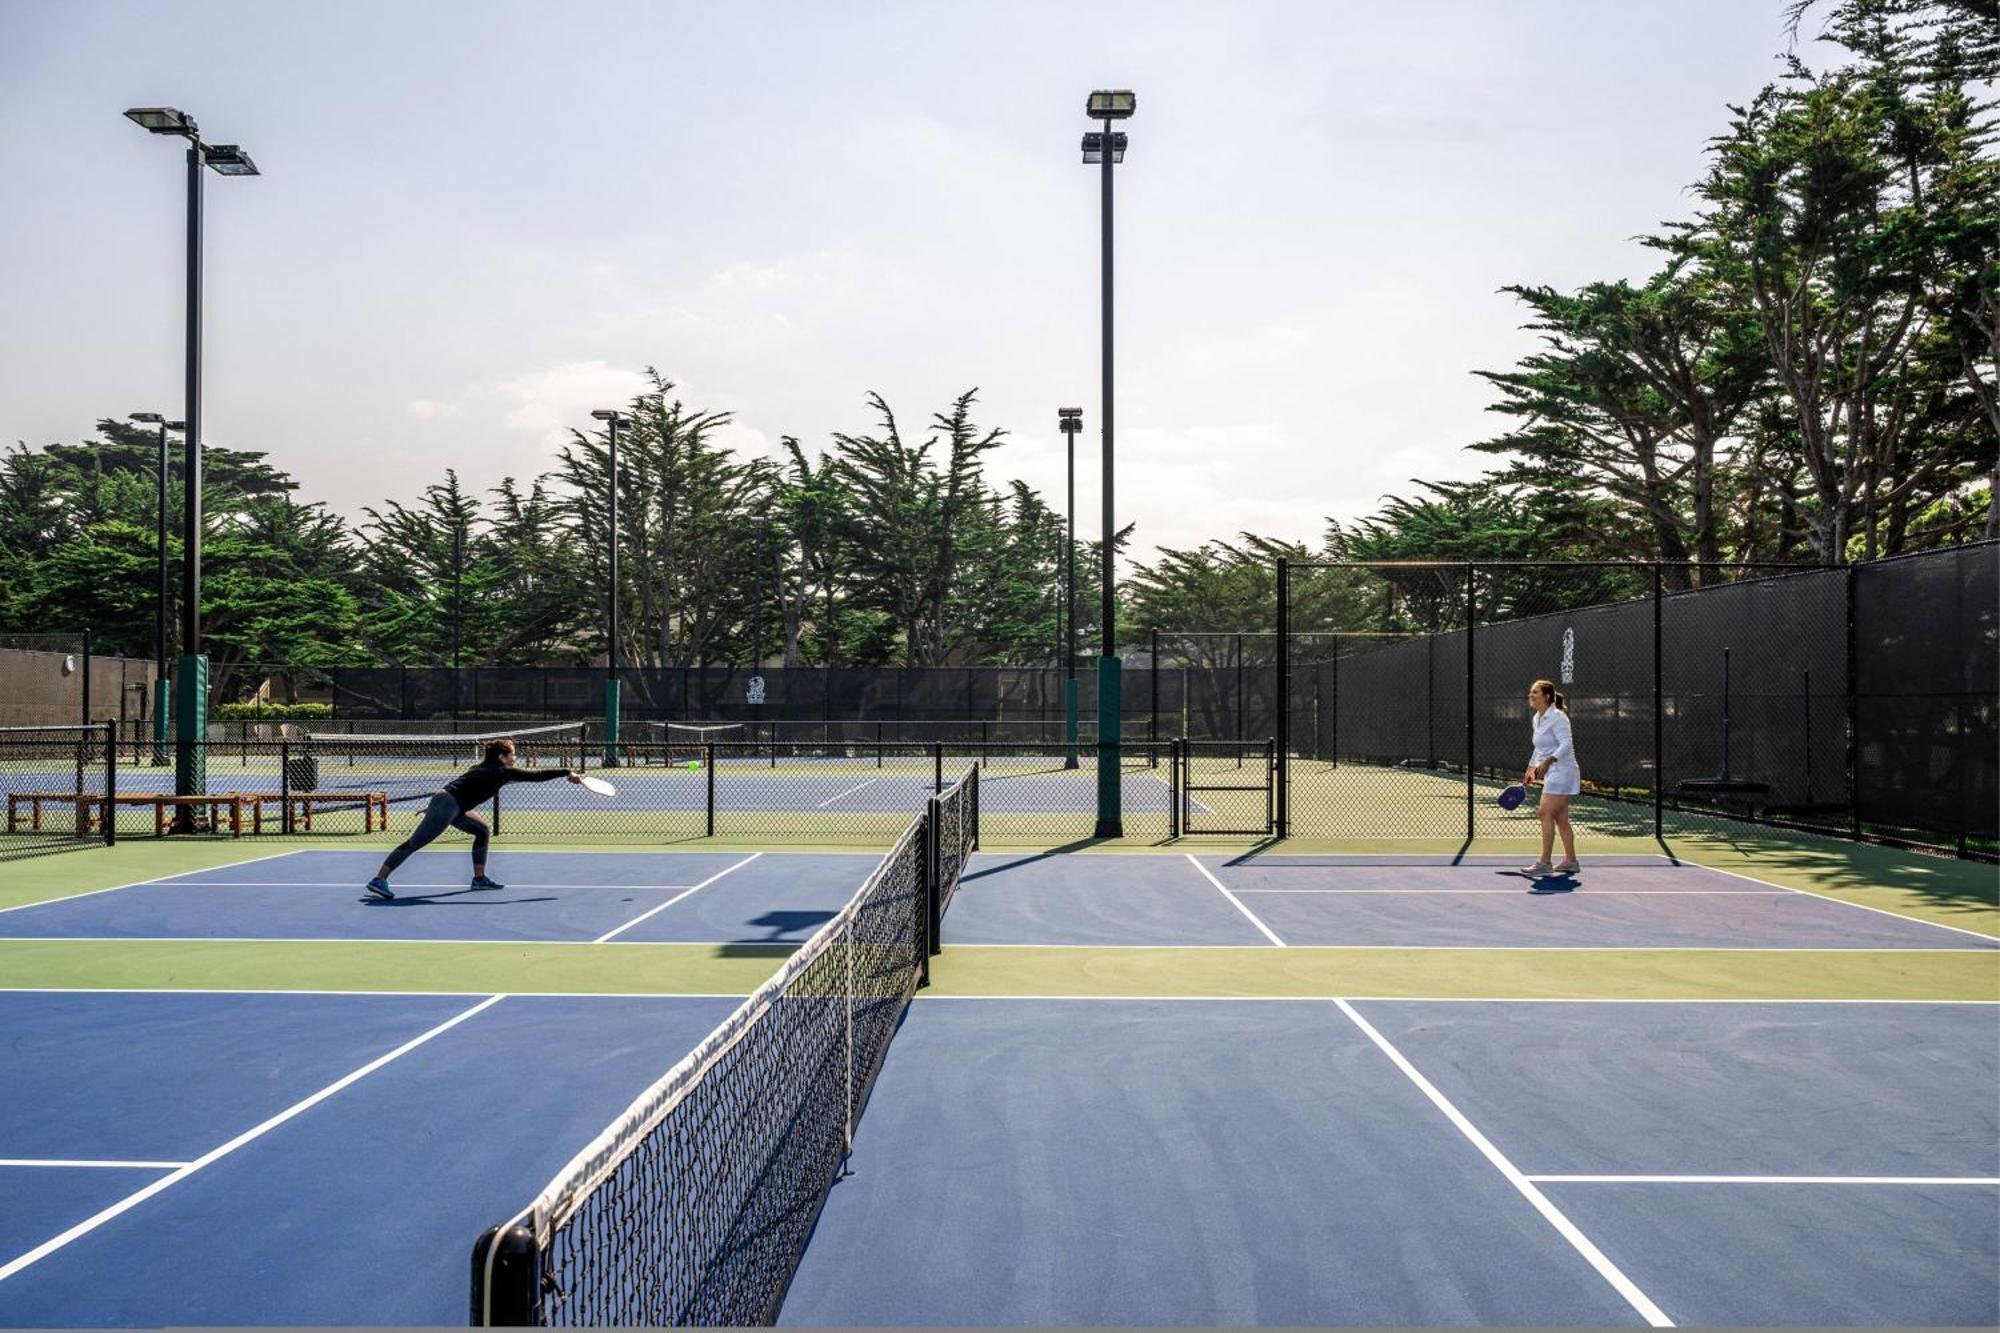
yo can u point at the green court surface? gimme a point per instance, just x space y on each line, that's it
1958 894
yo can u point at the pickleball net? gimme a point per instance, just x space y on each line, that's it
414 766
695 1205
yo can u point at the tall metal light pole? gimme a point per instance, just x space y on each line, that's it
1070 420
457 611
1105 148
162 707
191 675
612 421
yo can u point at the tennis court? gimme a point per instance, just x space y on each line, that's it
1312 1089
1211 1085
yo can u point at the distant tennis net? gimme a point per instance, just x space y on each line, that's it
695 1205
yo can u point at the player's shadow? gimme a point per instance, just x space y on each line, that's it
1545 885
789 927
449 899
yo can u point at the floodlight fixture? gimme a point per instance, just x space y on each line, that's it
1093 147
1111 104
162 120
607 414
1069 419
228 159
150 418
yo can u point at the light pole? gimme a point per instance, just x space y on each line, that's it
612 421
1104 148
1069 420
191 675
162 707
457 610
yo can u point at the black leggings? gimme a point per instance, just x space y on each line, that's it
443 814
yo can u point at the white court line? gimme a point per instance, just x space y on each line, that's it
1269 934
849 792
141 883
1595 1257
419 994
1142 997
1920 952
1768 1180
1567 893
137 1197
372 940
75 1161
399 884
620 930
1829 898
1315 998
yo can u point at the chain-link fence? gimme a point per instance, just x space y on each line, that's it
63 784
55 779
1857 701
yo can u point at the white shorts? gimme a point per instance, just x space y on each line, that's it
1562 780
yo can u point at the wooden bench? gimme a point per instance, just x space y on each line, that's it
371 802
162 802
87 806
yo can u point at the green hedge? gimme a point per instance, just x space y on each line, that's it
263 712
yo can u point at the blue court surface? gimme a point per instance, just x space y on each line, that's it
636 897
1313 1161
311 1158
224 1157
1406 902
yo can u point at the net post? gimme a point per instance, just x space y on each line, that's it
503 1278
1174 786
285 786
1282 775
1471 730
708 764
1659 714
933 895
1271 767
1153 718
496 814
107 810
847 1041
972 781
86 678
1853 706
937 766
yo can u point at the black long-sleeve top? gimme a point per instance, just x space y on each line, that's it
477 785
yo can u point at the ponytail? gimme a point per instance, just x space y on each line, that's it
1556 696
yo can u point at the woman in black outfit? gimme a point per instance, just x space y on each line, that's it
472 788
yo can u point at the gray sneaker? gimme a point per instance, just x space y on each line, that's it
1569 868
1539 869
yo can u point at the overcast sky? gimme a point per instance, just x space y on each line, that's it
480 220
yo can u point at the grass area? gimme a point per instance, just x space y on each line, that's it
1611 974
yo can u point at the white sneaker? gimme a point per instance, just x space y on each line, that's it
1539 869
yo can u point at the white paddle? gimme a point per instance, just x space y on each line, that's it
600 786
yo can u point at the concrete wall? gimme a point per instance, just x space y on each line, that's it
46 688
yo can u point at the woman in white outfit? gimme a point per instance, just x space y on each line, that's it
1553 764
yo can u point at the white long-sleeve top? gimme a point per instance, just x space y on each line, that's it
1552 739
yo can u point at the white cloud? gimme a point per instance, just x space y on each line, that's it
558 399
